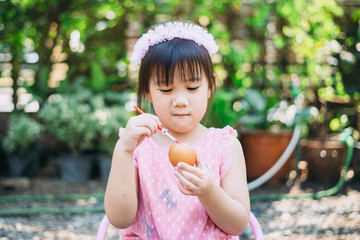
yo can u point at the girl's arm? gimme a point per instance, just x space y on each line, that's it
122 189
228 205
121 195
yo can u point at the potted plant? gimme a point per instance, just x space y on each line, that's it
321 150
265 126
108 119
73 124
19 144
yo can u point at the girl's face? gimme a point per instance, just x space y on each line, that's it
183 104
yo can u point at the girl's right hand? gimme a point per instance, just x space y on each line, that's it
137 128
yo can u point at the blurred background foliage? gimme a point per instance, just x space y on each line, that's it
290 52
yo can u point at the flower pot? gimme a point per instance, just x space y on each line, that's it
23 165
76 168
356 158
105 165
262 149
325 159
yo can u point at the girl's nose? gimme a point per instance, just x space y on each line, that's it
180 100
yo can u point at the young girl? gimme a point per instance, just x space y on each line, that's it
146 196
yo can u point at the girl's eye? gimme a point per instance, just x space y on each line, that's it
165 90
192 88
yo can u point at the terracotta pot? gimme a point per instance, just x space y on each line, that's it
356 158
262 149
325 159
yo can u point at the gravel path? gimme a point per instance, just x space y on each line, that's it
336 217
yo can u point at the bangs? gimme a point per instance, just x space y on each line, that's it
189 70
185 56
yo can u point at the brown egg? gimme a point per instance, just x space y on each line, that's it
181 152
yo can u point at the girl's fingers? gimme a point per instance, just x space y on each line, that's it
190 177
139 127
146 131
154 118
195 180
187 180
184 190
193 174
144 120
153 128
195 170
157 120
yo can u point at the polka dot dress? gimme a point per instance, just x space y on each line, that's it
164 212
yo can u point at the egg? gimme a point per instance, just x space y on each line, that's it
181 152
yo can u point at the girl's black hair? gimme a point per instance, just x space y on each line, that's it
162 59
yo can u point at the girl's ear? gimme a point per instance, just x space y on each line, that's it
148 96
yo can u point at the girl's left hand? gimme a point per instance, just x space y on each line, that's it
194 180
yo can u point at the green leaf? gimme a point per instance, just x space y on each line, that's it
97 77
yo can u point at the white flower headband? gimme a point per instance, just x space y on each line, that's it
171 30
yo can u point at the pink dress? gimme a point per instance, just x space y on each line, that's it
164 212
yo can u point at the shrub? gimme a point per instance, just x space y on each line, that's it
70 121
22 133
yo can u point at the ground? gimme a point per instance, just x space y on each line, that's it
335 217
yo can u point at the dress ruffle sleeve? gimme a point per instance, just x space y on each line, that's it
121 132
225 134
